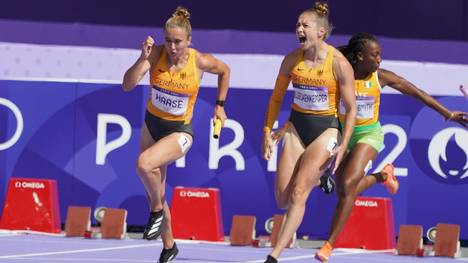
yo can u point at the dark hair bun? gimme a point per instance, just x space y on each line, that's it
321 8
181 12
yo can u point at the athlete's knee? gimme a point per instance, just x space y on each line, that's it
349 186
282 200
145 166
299 194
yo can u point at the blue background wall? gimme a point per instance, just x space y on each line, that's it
59 142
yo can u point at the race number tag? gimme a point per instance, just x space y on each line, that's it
184 143
311 98
168 101
332 142
364 107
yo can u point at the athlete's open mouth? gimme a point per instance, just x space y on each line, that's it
302 39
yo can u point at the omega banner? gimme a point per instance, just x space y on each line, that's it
86 137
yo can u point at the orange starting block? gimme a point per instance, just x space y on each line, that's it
277 223
242 230
114 223
410 240
447 240
78 221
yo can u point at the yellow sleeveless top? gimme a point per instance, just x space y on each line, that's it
315 89
173 95
367 100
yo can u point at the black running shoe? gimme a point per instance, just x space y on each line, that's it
154 226
271 259
327 184
167 255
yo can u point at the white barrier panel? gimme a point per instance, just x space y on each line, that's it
108 65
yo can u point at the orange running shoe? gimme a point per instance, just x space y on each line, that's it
391 182
324 253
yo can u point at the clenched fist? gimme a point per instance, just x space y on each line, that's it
146 47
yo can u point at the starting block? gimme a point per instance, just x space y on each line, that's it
196 214
370 225
31 204
242 230
447 240
114 223
78 221
410 240
277 223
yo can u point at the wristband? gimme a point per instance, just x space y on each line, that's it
220 102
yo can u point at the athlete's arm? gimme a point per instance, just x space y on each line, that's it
274 105
388 78
345 76
281 85
208 63
138 70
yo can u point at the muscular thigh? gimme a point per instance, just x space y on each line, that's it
146 139
359 161
316 157
291 151
167 149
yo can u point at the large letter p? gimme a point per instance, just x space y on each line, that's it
103 147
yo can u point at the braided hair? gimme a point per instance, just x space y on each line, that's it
356 44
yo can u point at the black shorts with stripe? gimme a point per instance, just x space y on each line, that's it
310 127
160 128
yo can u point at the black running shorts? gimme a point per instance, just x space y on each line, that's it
160 128
309 127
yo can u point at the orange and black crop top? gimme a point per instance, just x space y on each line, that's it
367 100
315 90
173 94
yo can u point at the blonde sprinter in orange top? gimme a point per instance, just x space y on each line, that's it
175 74
320 75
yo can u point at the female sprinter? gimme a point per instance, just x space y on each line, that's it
175 73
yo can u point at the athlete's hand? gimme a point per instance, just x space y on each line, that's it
278 134
267 146
271 139
220 114
339 152
146 47
460 117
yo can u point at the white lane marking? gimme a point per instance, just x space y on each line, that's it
76 251
86 259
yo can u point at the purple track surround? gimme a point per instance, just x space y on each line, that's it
37 248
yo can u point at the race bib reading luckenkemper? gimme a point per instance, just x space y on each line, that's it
311 98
